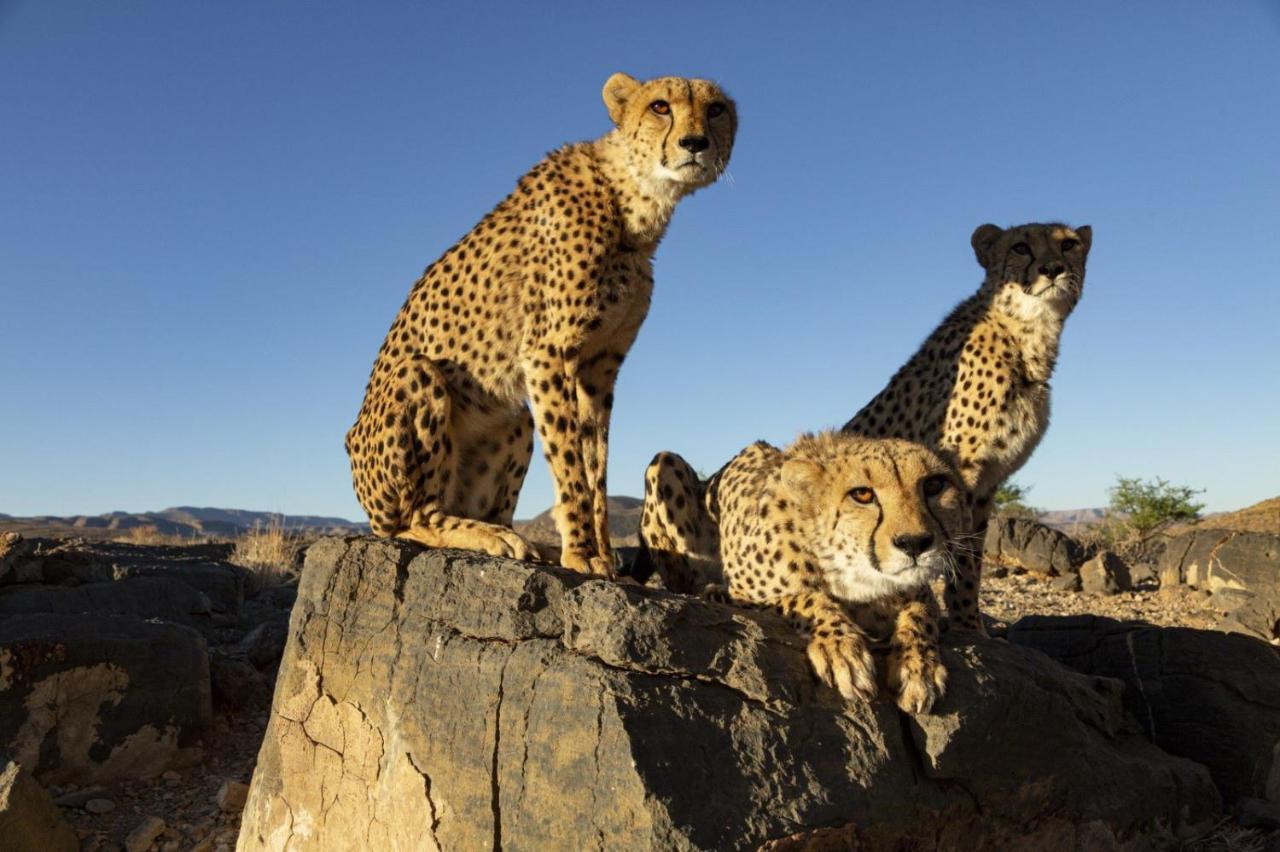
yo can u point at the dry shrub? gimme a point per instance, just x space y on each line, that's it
149 534
270 552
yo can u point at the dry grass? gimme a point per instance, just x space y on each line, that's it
268 551
148 534
1228 836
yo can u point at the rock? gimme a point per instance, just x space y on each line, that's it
147 832
92 698
236 684
439 699
231 796
1259 814
99 806
1241 569
1066 583
1104 574
29 820
264 645
77 798
1208 696
1031 546
140 598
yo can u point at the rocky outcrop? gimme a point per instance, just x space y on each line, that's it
443 700
89 698
1241 569
29 821
1028 545
1211 697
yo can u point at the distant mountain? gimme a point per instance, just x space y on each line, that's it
183 521
624 523
1065 519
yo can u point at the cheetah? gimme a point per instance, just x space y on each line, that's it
841 534
538 304
977 391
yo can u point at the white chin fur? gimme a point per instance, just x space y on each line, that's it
854 580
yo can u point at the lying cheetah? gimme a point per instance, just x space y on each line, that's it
540 301
977 391
841 534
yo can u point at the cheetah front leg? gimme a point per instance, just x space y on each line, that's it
404 464
838 649
964 582
915 670
676 531
551 378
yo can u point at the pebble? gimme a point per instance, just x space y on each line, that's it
172 776
232 796
141 838
99 806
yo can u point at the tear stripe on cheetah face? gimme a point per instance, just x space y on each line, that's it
859 546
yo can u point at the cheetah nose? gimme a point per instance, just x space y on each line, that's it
913 545
1053 270
694 144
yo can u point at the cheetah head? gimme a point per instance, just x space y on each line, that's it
677 133
1033 269
881 515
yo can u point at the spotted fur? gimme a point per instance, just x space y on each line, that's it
977 391
539 302
841 534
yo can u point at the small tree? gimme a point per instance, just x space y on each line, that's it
1152 504
1010 499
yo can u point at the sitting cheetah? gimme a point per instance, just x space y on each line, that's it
977 391
840 533
540 301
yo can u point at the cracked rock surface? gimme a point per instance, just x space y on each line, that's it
434 699
1208 696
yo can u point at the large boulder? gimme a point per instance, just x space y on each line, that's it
1241 569
1031 546
91 698
1208 696
29 820
447 700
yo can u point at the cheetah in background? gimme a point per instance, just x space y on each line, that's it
540 301
839 533
977 391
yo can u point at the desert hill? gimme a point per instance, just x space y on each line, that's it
182 521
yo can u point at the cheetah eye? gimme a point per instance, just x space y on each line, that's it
1068 244
863 495
1022 249
935 485
660 107
715 110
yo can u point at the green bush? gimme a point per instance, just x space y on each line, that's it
1149 505
1010 499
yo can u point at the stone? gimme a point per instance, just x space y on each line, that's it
90 698
29 820
1259 814
1104 574
1065 583
264 645
434 699
1022 543
139 598
1240 569
231 796
77 798
146 833
1207 696
99 806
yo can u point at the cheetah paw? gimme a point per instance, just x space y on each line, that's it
585 563
919 679
845 664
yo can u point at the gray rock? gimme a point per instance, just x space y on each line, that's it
1022 543
29 820
1259 814
1208 696
90 698
439 699
139 597
1104 574
264 645
147 832
1241 569
1066 583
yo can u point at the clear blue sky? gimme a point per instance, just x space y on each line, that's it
210 213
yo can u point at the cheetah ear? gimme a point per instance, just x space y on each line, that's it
1085 233
802 479
616 91
983 240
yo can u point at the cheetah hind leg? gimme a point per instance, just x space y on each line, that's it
403 461
677 535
